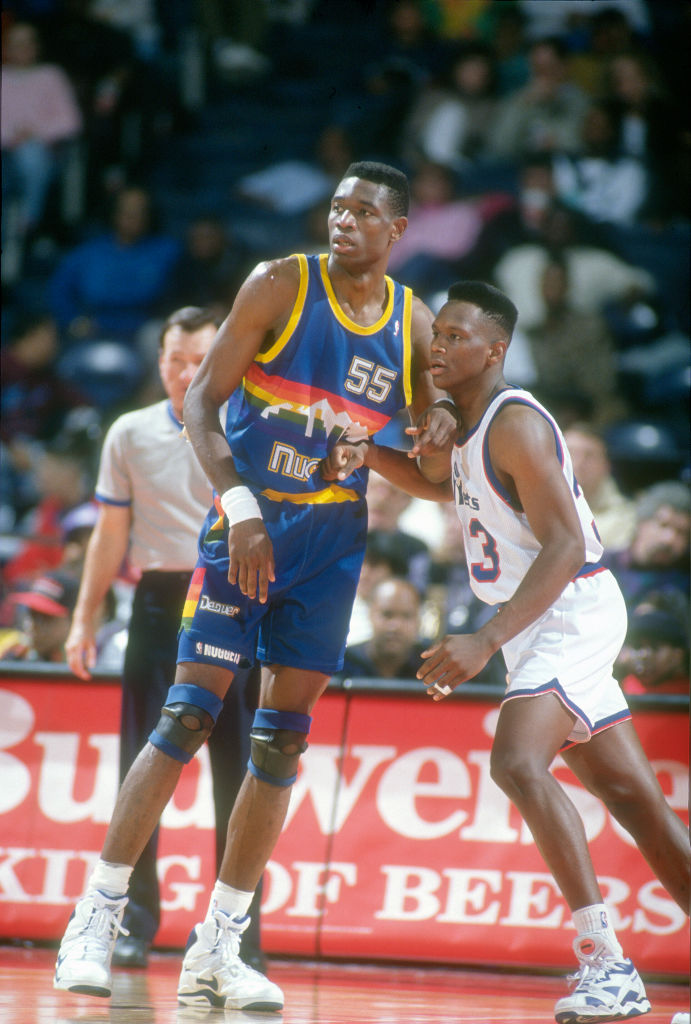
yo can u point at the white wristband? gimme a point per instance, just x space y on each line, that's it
239 504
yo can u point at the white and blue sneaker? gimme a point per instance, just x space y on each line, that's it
606 988
214 975
83 963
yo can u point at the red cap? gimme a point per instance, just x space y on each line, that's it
52 594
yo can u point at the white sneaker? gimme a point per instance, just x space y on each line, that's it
214 975
606 989
680 1018
83 963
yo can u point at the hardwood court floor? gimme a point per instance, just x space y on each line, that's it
316 993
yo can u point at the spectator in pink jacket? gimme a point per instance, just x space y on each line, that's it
39 112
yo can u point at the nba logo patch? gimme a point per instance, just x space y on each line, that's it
199 647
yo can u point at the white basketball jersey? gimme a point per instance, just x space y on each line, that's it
499 544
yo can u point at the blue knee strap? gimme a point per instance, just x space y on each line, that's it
193 694
194 697
290 727
267 718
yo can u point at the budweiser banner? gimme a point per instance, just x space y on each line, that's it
397 844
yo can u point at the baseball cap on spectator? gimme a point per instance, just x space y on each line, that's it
52 594
82 517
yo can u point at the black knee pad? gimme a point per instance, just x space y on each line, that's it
187 718
278 738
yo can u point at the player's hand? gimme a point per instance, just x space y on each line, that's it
80 649
251 559
451 662
342 460
435 431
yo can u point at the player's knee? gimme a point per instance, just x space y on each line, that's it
278 738
187 718
514 771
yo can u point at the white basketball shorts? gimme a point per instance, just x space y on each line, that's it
570 651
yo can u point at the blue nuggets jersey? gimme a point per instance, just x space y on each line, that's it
325 378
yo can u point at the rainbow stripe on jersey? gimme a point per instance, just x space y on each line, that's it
192 599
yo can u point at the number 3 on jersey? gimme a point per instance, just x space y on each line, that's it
482 571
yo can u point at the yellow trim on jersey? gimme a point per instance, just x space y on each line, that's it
327 496
284 336
342 318
407 345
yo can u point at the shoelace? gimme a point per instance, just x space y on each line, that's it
590 963
227 943
102 926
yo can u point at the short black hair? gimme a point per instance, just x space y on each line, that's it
493 303
191 319
391 178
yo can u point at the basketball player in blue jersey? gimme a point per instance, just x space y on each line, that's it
533 550
315 350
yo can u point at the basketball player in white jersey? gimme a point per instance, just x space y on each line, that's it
532 549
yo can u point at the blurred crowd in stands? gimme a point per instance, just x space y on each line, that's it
154 150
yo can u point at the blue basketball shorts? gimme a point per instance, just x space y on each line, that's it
318 552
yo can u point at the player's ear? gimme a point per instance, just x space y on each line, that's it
497 351
398 227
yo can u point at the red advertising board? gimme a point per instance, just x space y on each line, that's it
397 844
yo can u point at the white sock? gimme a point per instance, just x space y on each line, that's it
595 921
231 901
110 879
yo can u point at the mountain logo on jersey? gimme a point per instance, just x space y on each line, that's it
311 408
337 424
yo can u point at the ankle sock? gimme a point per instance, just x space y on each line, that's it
231 901
110 879
595 921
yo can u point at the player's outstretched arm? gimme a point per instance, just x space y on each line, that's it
390 463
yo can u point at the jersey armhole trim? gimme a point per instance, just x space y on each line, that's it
407 345
296 313
491 476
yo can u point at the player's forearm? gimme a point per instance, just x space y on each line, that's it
104 558
435 468
405 474
542 585
203 431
